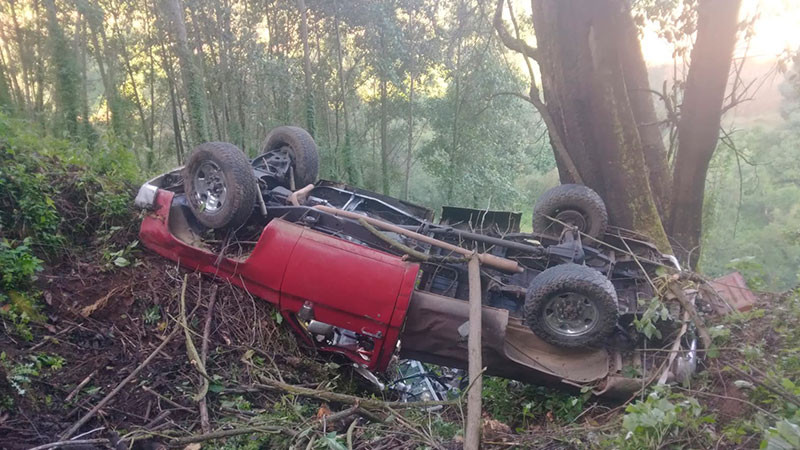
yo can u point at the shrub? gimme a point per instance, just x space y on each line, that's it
661 418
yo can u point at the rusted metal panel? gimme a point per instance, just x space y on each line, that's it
733 289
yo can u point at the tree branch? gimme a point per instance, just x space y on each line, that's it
516 44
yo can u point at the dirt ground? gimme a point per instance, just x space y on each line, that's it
104 322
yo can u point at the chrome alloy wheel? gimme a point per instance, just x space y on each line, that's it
209 186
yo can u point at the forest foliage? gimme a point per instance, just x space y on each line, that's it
411 98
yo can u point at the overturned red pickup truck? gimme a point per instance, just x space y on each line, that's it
374 278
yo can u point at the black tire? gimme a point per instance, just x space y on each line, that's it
236 176
302 149
565 286
572 203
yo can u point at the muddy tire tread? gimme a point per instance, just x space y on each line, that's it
573 278
304 152
571 196
241 185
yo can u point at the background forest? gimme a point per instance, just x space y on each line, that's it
413 98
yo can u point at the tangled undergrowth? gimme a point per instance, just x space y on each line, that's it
83 306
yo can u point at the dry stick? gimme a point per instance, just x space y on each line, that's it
676 344
172 403
337 416
696 319
425 437
78 443
191 350
80 386
725 397
344 398
473 432
370 415
350 435
157 419
769 384
205 424
122 384
228 433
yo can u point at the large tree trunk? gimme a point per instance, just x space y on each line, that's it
65 66
6 102
410 145
384 124
309 94
194 90
641 98
579 54
348 160
23 56
698 129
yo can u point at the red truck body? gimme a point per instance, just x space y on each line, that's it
358 288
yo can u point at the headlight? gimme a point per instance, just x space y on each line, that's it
146 198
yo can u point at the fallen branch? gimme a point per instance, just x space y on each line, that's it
769 385
696 319
350 435
172 403
80 386
205 423
191 350
345 398
228 433
343 414
77 443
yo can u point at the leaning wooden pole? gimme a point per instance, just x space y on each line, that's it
473 432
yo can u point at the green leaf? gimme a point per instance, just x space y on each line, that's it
121 262
333 442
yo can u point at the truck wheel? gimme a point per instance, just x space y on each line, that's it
220 185
571 306
574 204
300 147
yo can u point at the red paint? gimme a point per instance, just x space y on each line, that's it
350 286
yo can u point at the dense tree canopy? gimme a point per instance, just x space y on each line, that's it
420 99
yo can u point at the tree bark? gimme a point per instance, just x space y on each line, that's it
384 125
353 174
584 81
67 79
698 129
38 106
80 50
23 56
6 101
173 102
410 145
641 98
194 90
309 94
